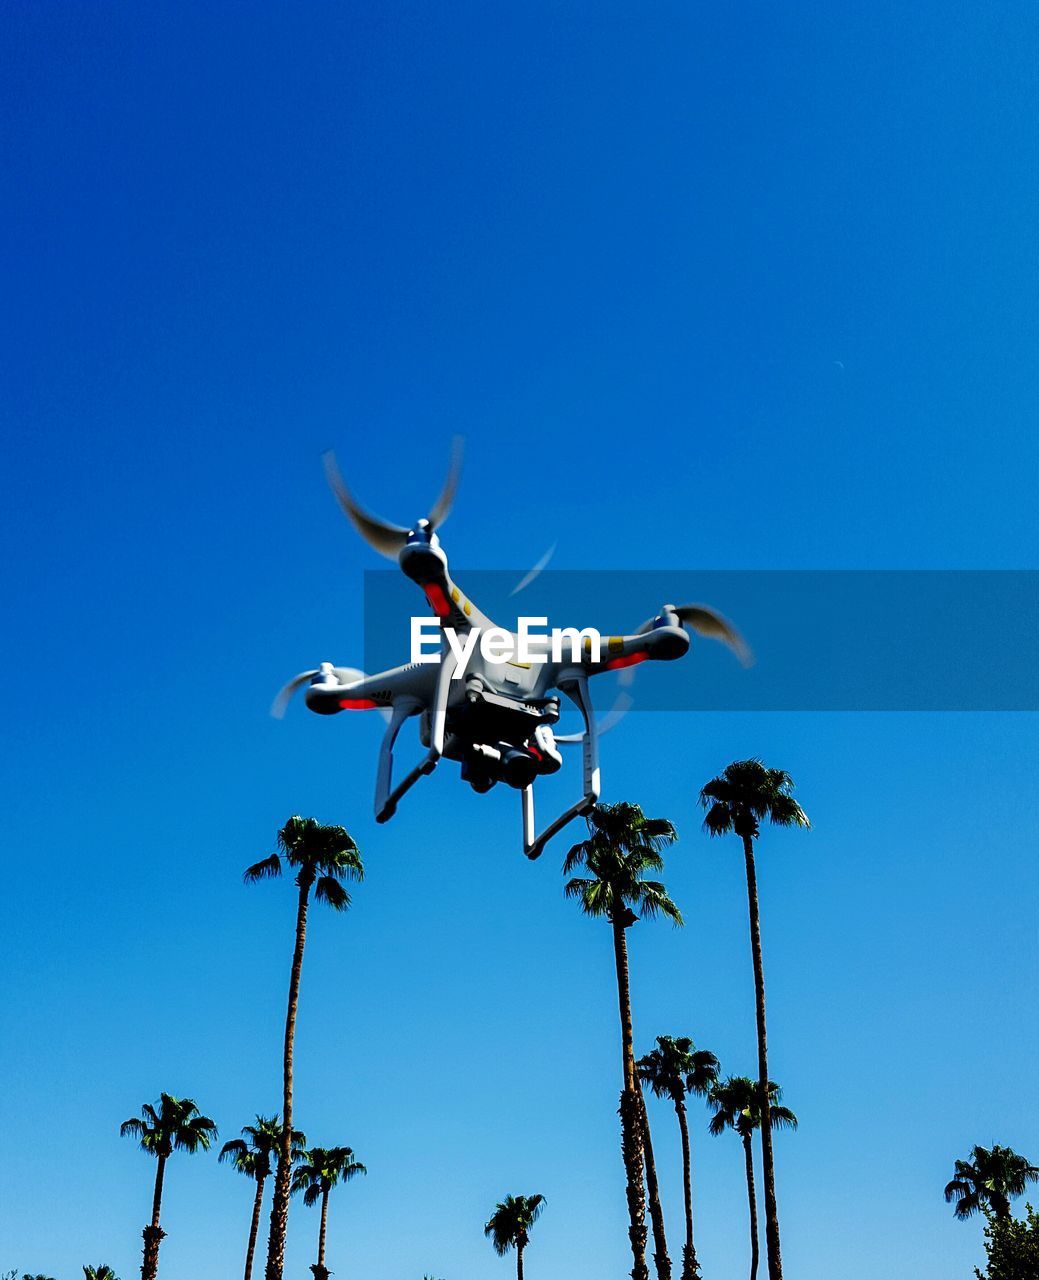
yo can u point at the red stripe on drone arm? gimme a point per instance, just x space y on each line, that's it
438 600
627 660
357 704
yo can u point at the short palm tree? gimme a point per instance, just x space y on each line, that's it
672 1070
319 1170
622 846
509 1226
737 1106
989 1180
738 801
252 1155
103 1272
175 1125
322 857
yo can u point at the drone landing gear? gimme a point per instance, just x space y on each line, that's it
575 686
385 798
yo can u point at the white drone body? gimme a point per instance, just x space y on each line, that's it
498 719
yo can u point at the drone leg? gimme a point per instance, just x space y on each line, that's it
527 799
577 690
402 709
386 804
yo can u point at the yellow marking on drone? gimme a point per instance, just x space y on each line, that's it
587 644
467 609
455 594
615 644
524 665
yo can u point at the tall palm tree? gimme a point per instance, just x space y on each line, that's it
737 1106
177 1125
252 1155
103 1272
322 857
319 1170
739 800
989 1180
672 1070
622 846
509 1226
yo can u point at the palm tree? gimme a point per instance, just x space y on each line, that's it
988 1181
672 1070
103 1272
622 846
509 1226
745 795
177 1125
737 1106
323 857
252 1155
319 1170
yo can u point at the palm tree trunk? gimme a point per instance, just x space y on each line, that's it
321 1272
160 1176
631 1127
775 1262
656 1212
752 1197
254 1228
519 1262
153 1233
323 1229
283 1173
690 1266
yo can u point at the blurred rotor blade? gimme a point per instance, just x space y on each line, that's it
441 509
281 703
386 538
610 720
529 577
344 675
706 622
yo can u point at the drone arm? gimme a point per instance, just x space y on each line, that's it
575 684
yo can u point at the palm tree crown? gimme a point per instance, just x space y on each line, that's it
509 1225
989 1180
736 1103
177 1125
744 795
103 1272
322 1168
623 844
322 856
252 1154
676 1067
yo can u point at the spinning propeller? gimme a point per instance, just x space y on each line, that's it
696 617
344 675
705 622
390 539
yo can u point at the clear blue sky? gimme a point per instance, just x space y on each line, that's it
750 287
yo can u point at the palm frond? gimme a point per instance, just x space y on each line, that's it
718 820
266 869
330 891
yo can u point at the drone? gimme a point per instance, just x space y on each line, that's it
498 720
